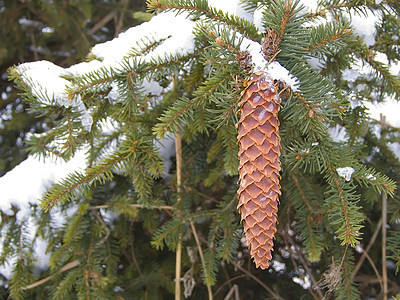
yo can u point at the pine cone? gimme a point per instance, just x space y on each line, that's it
259 165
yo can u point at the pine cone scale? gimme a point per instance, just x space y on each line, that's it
259 166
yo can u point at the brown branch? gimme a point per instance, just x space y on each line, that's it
287 238
384 262
234 290
106 229
366 250
102 22
384 124
119 22
34 48
130 82
286 17
342 200
55 152
255 278
228 282
135 260
302 194
135 205
87 271
178 262
70 138
203 263
67 267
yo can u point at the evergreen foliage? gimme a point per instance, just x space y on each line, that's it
113 229
58 31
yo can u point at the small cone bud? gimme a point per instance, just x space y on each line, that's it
259 165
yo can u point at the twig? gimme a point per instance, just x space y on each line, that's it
234 289
286 237
196 238
178 151
384 271
34 48
119 22
249 274
102 22
106 229
135 260
378 276
67 267
366 250
167 207
229 281
384 124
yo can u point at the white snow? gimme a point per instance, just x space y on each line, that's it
345 172
258 16
305 282
36 176
276 71
337 133
310 5
47 79
389 109
370 177
364 25
351 75
273 69
176 29
254 49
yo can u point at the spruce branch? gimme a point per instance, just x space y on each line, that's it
379 182
183 109
389 82
168 233
345 214
99 80
101 172
300 189
331 34
200 7
334 6
287 15
393 81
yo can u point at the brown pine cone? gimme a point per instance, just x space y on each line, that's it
259 165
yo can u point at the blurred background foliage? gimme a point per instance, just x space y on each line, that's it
58 31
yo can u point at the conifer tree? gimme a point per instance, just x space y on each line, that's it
252 115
